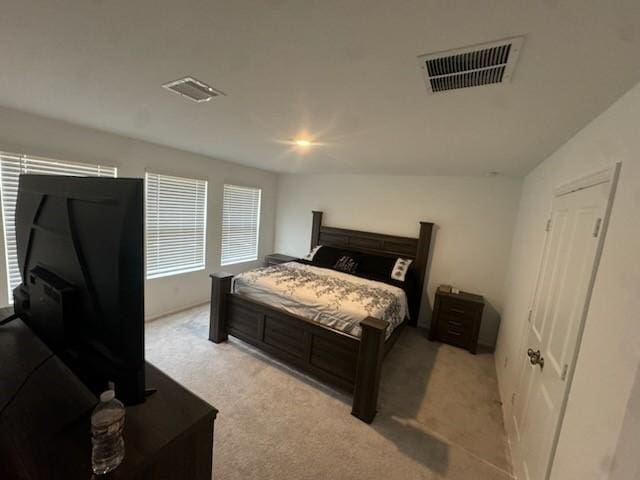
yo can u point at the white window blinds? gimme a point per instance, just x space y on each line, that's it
240 224
176 221
11 167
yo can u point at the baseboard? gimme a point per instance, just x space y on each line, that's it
176 310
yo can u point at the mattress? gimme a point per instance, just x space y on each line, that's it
335 299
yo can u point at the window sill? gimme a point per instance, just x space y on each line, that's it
238 262
174 273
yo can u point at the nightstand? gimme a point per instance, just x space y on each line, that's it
277 259
456 319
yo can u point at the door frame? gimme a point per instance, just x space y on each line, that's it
609 174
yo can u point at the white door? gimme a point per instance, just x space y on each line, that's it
555 325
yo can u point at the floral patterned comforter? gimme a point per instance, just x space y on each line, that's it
335 299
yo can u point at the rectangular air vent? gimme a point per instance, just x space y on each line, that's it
471 66
193 89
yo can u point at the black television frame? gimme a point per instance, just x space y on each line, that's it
80 243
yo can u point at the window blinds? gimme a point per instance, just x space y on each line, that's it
11 167
176 221
240 224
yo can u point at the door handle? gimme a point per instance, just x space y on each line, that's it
535 358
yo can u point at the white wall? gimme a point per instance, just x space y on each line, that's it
474 218
625 462
609 355
24 133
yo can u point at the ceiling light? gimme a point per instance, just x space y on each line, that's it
303 143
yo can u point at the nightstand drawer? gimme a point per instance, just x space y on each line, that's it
454 308
453 336
459 324
277 259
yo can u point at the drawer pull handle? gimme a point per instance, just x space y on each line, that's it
454 323
452 332
457 310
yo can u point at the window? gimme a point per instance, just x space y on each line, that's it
176 221
240 224
11 166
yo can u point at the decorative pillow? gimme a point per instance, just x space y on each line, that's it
309 256
346 264
327 256
377 265
400 269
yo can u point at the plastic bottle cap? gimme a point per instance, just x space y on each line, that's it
107 396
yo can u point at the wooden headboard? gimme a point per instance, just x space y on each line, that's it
379 244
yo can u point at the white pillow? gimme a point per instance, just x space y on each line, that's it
309 256
400 269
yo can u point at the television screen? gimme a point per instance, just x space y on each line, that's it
81 257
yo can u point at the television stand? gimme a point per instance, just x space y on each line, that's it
45 429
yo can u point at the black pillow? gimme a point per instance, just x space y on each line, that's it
327 256
384 267
377 265
346 263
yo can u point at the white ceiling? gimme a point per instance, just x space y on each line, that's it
343 70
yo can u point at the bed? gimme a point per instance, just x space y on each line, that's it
334 325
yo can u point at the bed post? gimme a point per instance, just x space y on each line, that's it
220 289
368 369
315 228
422 258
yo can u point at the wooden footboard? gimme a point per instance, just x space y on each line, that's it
332 356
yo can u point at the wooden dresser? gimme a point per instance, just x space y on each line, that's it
45 429
456 319
277 259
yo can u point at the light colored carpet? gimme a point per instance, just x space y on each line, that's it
439 415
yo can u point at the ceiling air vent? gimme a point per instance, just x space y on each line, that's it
471 66
193 89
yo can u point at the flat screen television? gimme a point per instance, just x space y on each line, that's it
81 257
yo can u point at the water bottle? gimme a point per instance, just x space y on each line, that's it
107 423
